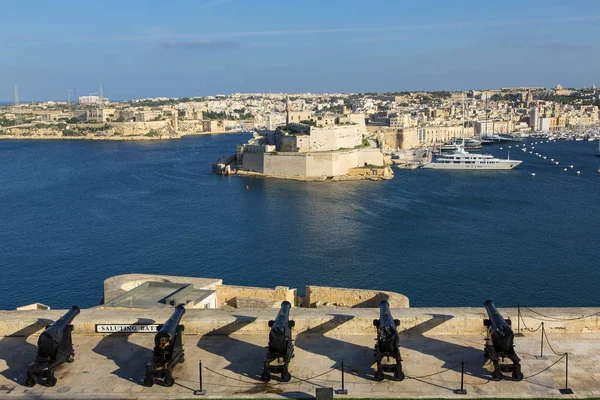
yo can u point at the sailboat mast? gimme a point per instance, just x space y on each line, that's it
486 114
462 99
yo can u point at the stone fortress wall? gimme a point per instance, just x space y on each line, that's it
313 164
240 296
250 321
343 297
336 137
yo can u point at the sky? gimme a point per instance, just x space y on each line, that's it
139 49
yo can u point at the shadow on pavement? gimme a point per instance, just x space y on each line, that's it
245 359
357 359
130 358
18 353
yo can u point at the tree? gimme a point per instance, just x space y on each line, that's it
121 119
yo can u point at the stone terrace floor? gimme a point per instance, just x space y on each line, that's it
113 367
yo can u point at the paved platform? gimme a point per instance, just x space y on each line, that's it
113 367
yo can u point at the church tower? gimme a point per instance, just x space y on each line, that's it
287 110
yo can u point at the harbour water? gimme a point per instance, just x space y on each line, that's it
76 212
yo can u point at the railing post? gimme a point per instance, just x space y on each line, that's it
518 318
462 389
541 356
343 390
200 392
566 390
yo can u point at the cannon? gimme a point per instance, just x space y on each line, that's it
55 347
168 350
281 346
388 344
499 344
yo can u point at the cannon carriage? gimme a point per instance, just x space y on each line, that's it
499 344
388 344
55 347
281 346
168 350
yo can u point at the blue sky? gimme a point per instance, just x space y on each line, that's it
192 48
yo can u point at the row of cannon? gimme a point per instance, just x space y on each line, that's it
55 347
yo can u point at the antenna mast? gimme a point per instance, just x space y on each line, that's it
16 95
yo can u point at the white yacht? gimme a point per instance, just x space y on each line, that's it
462 159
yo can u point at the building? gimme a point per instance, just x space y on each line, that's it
423 136
213 125
93 100
490 127
534 116
100 114
301 151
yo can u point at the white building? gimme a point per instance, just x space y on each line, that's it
92 100
534 118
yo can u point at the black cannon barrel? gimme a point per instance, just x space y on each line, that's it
50 339
501 333
388 334
164 337
280 330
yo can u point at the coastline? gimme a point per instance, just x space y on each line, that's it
114 137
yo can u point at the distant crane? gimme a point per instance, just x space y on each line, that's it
16 95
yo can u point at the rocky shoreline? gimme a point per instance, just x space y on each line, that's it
389 174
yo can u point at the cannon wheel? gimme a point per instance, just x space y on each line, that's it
51 380
266 375
517 375
149 379
399 375
378 376
29 381
497 374
285 375
169 381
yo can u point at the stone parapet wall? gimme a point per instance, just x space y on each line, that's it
434 321
227 294
343 297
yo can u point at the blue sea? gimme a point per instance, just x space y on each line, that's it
73 213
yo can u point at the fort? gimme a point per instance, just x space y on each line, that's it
311 148
227 329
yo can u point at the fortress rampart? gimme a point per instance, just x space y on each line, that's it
349 321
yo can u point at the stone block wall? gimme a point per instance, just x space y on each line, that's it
189 127
343 297
313 164
228 294
142 128
413 321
